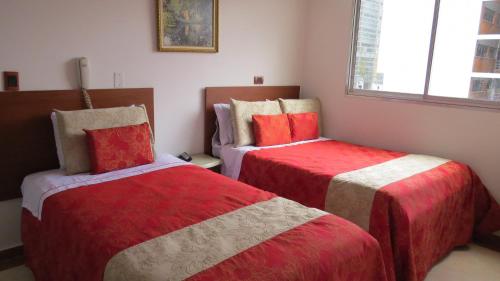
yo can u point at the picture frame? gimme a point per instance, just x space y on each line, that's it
188 26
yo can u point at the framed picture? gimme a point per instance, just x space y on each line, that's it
188 26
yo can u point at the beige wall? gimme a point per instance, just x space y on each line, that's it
40 39
465 134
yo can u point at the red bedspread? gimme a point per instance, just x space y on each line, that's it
417 220
83 228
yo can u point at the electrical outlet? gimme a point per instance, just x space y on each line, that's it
258 80
118 80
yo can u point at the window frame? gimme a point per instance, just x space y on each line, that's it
424 98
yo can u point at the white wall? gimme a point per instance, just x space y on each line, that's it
40 39
465 134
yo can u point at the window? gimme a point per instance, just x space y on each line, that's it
481 51
485 88
488 15
476 85
444 51
492 52
389 31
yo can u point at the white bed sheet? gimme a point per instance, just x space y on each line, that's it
232 157
39 186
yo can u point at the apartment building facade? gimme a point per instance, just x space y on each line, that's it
485 81
369 28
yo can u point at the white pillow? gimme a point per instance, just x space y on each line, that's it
60 155
223 112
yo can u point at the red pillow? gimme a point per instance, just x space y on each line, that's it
271 129
304 126
119 148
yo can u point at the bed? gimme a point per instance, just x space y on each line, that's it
173 221
418 207
169 220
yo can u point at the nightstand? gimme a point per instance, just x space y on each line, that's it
207 162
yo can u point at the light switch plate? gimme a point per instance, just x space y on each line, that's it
118 80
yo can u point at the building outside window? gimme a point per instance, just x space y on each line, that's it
487 70
485 88
368 45
486 58
490 23
454 50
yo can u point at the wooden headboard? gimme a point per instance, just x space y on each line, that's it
214 95
27 141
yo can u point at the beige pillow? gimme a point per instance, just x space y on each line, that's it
241 115
73 138
302 106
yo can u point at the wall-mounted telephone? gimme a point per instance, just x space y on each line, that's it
84 71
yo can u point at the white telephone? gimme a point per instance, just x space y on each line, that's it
84 71
83 66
